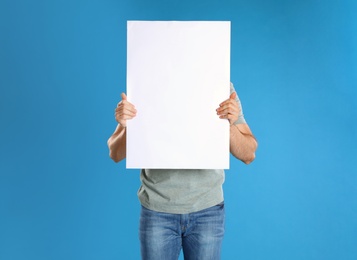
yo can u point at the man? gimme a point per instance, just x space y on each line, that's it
184 208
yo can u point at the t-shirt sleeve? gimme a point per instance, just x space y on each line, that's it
241 119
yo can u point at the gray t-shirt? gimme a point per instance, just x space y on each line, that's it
182 191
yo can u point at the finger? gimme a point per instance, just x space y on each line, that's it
233 96
227 113
231 118
224 102
125 104
121 111
123 96
230 108
233 105
228 101
125 107
125 117
122 119
127 112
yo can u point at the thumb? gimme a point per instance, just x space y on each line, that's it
123 96
233 95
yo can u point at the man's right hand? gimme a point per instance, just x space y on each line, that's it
124 111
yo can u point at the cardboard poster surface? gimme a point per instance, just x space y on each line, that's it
177 75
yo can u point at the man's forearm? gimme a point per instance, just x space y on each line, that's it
242 143
117 144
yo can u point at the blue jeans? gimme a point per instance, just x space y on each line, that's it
199 234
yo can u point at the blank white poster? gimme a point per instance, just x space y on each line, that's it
178 72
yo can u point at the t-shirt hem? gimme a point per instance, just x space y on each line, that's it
181 211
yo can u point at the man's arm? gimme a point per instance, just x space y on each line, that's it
117 144
117 141
242 142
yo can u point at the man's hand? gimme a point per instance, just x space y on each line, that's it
124 111
229 109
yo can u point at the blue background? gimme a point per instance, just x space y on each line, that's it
62 69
